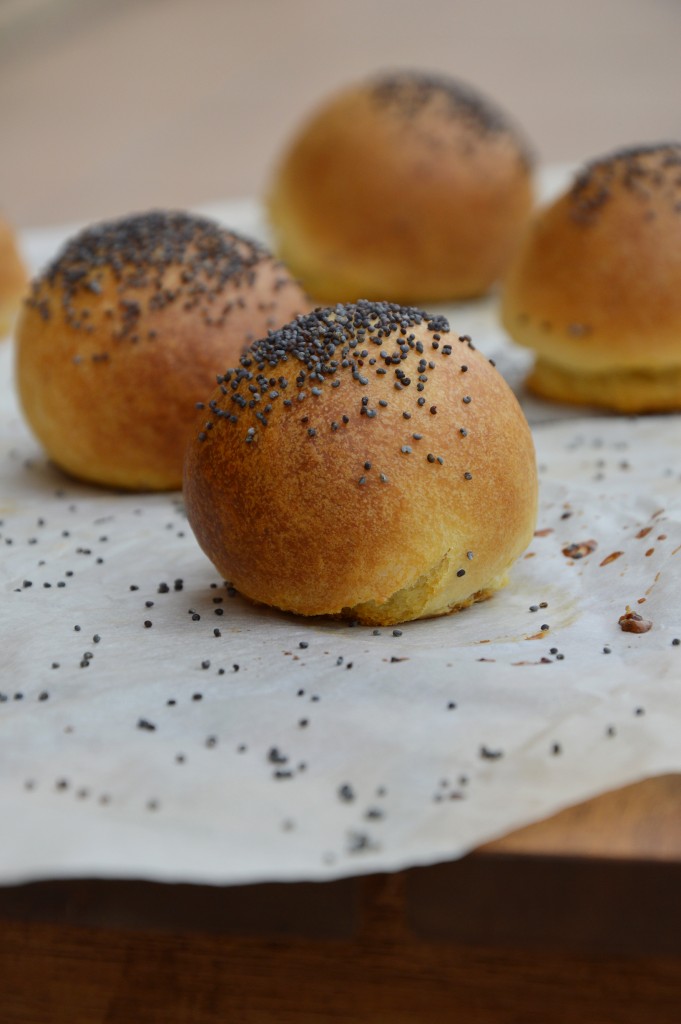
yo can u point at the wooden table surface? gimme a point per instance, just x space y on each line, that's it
108 107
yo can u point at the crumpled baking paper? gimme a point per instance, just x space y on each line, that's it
153 724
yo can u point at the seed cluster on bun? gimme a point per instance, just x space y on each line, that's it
409 187
362 462
121 336
595 288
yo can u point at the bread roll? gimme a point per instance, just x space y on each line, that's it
125 332
13 278
362 462
408 187
595 289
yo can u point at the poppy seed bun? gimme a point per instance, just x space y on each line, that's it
124 333
362 462
13 278
595 289
408 187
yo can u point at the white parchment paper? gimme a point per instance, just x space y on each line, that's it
154 724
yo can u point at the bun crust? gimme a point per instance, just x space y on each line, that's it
408 187
125 332
13 278
385 473
595 289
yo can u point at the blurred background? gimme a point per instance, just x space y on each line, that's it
109 106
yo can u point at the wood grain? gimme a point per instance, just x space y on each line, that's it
72 975
640 822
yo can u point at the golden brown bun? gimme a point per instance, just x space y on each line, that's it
595 289
408 187
384 473
13 278
126 331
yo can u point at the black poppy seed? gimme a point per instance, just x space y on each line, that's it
463 431
218 611
464 368
430 457
544 627
346 793
468 476
560 657
421 401
466 399
303 644
382 402
195 617
148 623
146 725
397 632
417 437
311 432
303 723
346 419
469 555
216 632
676 642
607 650
490 755
77 629
556 749
639 711
406 449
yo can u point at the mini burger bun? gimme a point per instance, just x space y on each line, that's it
125 332
410 187
595 289
13 277
363 462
